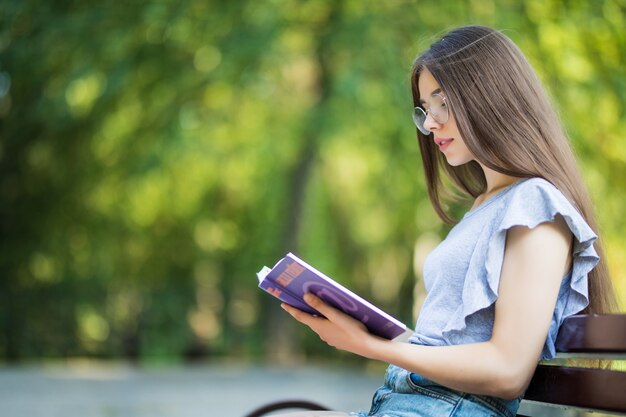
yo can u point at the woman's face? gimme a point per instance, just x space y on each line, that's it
446 135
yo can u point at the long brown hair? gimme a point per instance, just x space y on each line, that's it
508 123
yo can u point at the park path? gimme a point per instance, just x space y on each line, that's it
115 390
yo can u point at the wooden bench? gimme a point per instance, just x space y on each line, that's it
582 337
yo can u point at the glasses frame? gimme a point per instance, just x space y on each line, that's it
419 114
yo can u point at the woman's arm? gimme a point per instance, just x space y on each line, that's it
535 262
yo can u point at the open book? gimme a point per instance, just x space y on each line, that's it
291 278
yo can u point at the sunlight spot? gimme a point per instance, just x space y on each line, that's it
204 324
207 58
92 326
82 93
212 235
44 268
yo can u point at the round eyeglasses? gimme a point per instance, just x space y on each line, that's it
438 110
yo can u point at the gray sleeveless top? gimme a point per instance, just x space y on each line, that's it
462 274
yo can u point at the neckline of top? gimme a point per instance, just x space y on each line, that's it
494 197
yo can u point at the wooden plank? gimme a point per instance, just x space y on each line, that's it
593 333
595 355
594 389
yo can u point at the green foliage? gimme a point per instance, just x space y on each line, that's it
153 156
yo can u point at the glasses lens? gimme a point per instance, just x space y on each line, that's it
419 117
438 109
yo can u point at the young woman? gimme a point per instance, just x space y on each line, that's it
521 260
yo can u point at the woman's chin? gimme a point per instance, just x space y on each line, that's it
456 160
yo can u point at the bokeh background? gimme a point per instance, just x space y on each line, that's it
155 155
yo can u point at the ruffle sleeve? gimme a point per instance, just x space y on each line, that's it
529 204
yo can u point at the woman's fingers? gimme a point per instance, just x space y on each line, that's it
329 313
300 315
319 305
335 328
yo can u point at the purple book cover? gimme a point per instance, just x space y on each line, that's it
291 278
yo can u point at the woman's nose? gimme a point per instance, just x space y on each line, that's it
430 123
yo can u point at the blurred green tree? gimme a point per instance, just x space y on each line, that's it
154 156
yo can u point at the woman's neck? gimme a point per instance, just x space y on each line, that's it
496 181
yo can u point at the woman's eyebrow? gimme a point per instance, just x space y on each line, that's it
436 91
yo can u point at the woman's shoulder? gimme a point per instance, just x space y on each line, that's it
535 183
536 200
535 190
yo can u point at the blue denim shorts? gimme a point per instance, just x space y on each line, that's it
405 394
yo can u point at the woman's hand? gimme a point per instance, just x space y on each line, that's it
336 328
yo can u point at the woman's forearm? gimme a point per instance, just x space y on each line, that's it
500 367
479 368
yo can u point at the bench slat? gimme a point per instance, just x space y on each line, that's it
593 333
595 389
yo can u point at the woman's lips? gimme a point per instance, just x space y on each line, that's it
443 143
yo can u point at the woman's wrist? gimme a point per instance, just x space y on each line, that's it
376 348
